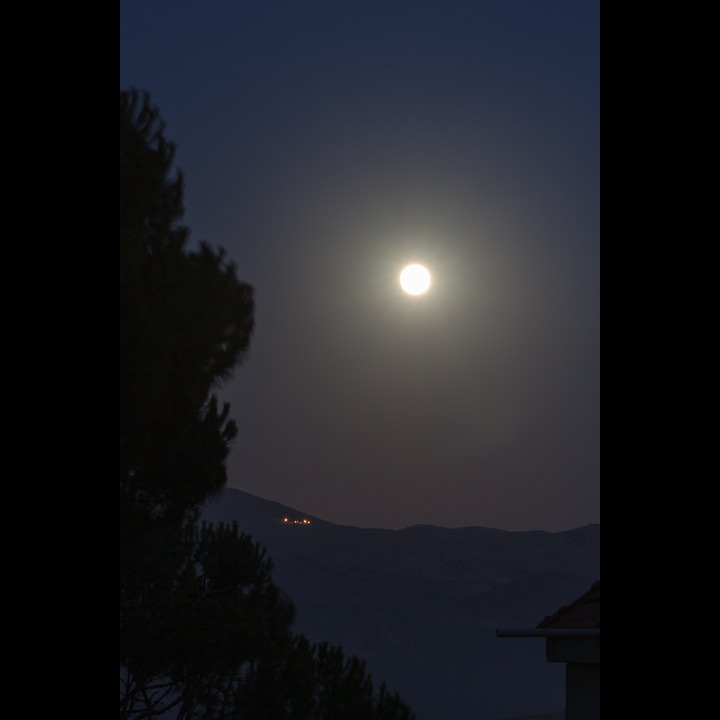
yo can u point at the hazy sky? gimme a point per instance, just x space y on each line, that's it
327 143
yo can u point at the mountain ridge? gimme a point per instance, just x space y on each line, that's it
273 510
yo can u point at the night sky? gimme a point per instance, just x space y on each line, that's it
326 144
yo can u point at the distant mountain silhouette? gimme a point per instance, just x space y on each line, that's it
236 506
421 604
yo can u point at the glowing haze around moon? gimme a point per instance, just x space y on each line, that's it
415 279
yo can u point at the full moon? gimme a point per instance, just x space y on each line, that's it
415 279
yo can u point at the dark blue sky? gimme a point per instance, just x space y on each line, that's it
324 145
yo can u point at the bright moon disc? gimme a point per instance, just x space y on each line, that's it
415 279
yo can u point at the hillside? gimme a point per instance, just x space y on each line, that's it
421 604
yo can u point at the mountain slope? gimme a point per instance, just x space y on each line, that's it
421 604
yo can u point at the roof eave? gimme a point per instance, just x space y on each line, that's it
548 632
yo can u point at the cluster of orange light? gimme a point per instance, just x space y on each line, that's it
295 522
